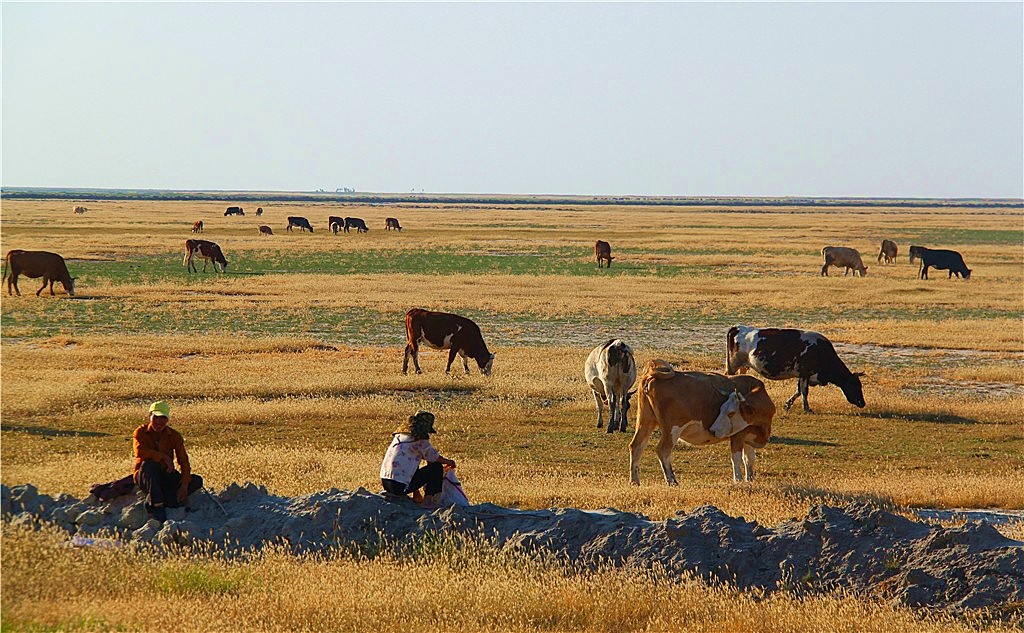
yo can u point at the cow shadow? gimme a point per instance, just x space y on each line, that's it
938 418
48 432
796 441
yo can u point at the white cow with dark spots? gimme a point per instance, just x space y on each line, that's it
610 371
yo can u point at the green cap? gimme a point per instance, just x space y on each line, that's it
160 408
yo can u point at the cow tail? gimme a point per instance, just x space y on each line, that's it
7 262
731 348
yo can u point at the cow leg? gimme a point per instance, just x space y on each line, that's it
748 461
600 413
613 411
924 271
451 359
664 451
804 386
43 287
824 270
51 287
636 447
411 350
465 362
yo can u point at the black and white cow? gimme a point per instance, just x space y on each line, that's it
610 371
779 354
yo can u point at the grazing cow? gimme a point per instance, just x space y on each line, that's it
611 371
209 251
357 224
80 210
888 251
332 220
603 251
441 330
700 409
234 211
337 226
940 259
197 226
36 264
780 354
259 211
266 230
392 223
843 257
301 222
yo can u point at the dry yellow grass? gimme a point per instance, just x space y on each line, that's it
259 395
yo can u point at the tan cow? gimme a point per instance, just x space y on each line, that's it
197 226
700 409
36 264
843 257
603 252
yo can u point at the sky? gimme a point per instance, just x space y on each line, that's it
687 99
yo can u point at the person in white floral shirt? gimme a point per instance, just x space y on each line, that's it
401 473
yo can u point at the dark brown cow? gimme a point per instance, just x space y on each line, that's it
441 330
603 251
36 264
197 226
209 251
888 251
259 211
266 230
392 223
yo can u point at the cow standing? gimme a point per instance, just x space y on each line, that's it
940 259
266 230
35 264
392 224
441 330
888 252
197 226
780 354
843 257
301 222
603 252
356 223
700 409
234 211
80 210
610 371
208 251
333 220
259 211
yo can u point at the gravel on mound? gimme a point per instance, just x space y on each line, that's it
856 548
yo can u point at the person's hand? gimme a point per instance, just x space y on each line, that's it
182 493
450 463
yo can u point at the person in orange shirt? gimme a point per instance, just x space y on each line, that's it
156 446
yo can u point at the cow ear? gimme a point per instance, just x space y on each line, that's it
859 374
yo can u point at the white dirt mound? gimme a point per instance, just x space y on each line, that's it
856 547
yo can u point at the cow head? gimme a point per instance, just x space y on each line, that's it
967 275
69 287
852 389
224 265
485 368
625 407
730 419
864 271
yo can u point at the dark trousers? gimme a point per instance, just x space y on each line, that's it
428 477
160 486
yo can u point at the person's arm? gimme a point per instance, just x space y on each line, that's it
141 452
430 455
186 469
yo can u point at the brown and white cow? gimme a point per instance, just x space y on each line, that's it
843 257
888 251
197 226
700 409
266 230
441 330
208 251
603 252
259 211
80 210
36 264
610 371
392 224
780 354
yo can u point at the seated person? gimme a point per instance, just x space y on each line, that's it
401 473
156 445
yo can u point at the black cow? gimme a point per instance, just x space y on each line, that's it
234 211
941 260
779 354
391 224
335 223
301 222
357 224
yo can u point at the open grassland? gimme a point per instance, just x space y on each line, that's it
286 371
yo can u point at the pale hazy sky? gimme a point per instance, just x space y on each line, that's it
920 99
